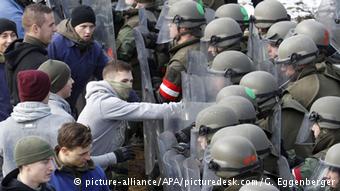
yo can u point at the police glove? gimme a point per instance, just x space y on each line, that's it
183 135
124 153
183 148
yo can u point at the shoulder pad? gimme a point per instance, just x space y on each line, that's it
305 89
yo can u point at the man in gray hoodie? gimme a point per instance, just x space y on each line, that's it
31 116
106 111
61 86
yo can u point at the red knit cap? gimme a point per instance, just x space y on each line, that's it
33 85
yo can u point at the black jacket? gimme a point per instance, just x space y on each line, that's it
10 183
21 56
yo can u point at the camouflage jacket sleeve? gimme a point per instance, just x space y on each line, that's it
306 169
171 87
126 47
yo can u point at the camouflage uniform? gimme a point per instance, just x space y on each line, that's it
177 64
187 15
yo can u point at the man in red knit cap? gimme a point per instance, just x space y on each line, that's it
31 116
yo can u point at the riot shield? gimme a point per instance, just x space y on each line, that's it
209 15
166 141
173 163
62 9
325 175
191 172
200 84
328 14
194 143
123 5
152 128
284 169
104 32
162 15
258 49
169 169
208 174
58 10
275 128
183 118
177 163
174 121
305 134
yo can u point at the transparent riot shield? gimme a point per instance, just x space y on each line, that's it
123 5
284 169
184 118
191 169
194 143
199 83
62 9
328 14
178 168
169 169
69 5
173 163
152 128
275 128
258 49
305 134
104 32
162 15
166 141
208 174
58 10
209 15
326 177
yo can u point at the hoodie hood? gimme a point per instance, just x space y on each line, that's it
30 111
17 50
99 86
11 183
61 102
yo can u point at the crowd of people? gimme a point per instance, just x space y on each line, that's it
254 95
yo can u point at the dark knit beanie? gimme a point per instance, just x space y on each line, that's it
31 149
82 14
33 85
7 25
59 73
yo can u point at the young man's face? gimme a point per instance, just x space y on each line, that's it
272 51
85 30
40 171
334 178
173 30
78 156
288 70
124 77
5 40
213 50
316 130
46 31
66 91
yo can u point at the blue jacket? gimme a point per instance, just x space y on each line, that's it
82 65
5 105
62 180
10 9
